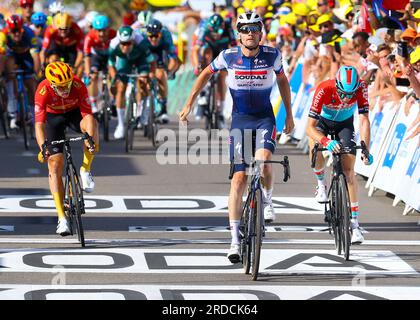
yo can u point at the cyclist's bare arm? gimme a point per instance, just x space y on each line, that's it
199 84
87 65
364 127
312 131
195 56
40 133
284 88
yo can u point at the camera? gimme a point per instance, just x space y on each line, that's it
402 49
415 4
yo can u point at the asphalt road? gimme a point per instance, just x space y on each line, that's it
159 232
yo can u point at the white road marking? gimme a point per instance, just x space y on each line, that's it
7 228
194 292
165 261
268 229
155 204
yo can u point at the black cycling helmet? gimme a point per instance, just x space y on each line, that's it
154 27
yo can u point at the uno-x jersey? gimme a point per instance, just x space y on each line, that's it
328 105
250 79
46 101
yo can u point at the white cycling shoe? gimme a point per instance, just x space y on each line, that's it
63 228
321 194
119 132
268 212
357 236
233 253
87 181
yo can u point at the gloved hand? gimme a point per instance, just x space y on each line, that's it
44 153
331 145
367 160
86 80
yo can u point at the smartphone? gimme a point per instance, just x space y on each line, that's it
402 49
373 47
337 47
404 82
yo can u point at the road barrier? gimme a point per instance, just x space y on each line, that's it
396 167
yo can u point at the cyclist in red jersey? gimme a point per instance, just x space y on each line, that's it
333 107
27 7
62 101
95 50
63 40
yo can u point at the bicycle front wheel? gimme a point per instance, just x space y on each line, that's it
77 202
345 213
105 113
244 229
335 215
258 214
129 131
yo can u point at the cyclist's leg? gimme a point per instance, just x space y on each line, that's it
319 170
55 127
347 139
121 86
93 83
11 88
265 146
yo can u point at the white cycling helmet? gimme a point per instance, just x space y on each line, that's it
55 7
250 17
90 16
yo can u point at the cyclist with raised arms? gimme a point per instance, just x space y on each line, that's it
250 68
96 51
27 7
332 109
62 101
162 47
129 52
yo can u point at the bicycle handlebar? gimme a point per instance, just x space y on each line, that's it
343 150
85 136
284 163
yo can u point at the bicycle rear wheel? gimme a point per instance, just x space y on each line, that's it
22 120
3 112
244 228
345 213
258 233
77 203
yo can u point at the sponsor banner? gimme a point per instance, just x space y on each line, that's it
358 291
156 204
380 124
295 83
167 261
394 162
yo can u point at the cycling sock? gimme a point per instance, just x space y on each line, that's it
120 115
234 230
93 103
267 194
87 160
59 205
354 210
320 176
354 223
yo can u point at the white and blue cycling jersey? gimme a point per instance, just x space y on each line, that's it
250 79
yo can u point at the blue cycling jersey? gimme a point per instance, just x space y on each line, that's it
250 79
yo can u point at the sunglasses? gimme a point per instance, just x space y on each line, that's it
324 25
62 88
27 6
322 4
344 95
39 26
151 35
16 31
126 44
63 29
248 29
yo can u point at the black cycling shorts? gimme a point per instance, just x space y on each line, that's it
56 127
99 63
343 131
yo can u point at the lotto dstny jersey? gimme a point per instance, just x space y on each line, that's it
250 79
328 105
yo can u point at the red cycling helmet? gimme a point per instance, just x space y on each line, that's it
26 2
14 22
